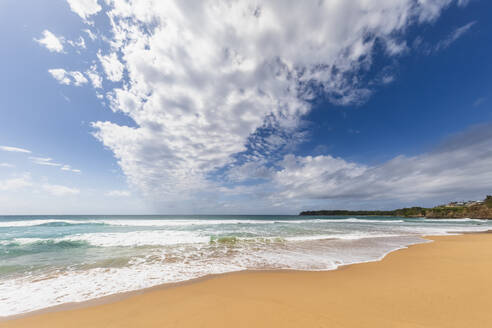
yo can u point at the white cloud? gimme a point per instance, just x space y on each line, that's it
15 149
395 48
70 169
201 79
94 77
250 170
60 75
67 78
459 167
44 161
47 161
59 190
118 193
84 8
91 35
52 42
15 183
455 35
6 165
112 66
78 78
211 73
387 79
80 43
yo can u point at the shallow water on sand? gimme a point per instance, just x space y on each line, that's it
50 260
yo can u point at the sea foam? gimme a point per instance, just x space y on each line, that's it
48 261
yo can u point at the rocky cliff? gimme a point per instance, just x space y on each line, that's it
473 212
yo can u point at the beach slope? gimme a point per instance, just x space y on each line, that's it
446 283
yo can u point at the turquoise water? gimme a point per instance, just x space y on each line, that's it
50 260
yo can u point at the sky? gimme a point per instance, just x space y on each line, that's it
243 107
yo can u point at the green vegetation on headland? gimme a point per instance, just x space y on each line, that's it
470 209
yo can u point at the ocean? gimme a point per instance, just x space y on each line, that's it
51 260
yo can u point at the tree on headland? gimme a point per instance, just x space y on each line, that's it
488 201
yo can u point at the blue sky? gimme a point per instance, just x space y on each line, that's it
201 107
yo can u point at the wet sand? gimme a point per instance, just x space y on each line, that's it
447 283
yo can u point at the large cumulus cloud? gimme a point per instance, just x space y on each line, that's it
217 91
202 76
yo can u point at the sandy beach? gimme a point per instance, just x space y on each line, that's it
441 284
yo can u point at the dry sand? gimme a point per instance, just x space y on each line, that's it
447 283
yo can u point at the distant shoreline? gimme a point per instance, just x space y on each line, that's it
454 210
